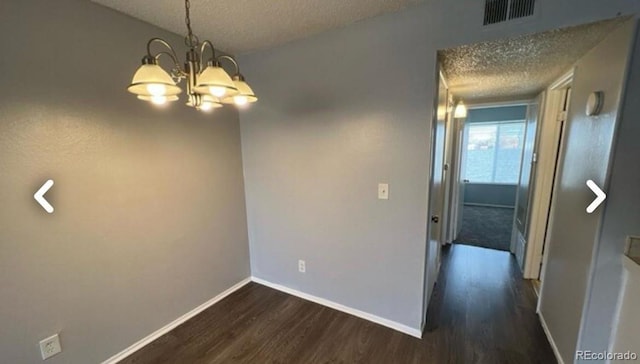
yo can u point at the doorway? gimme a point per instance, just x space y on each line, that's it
551 141
486 187
491 152
496 163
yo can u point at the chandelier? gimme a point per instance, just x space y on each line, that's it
208 85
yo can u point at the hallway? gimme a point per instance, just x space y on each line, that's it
482 312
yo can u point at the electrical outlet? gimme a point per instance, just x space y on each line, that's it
50 346
302 266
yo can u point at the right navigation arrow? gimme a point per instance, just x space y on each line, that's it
600 196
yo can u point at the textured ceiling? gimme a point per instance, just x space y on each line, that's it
241 26
521 66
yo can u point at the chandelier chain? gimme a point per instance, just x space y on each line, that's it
190 40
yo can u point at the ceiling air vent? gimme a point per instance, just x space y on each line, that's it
497 11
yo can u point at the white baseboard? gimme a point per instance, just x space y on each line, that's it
336 306
550 338
172 325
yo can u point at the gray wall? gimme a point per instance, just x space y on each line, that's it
621 219
504 113
325 133
490 194
586 154
340 112
150 213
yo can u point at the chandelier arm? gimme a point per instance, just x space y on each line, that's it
203 48
177 71
163 53
171 53
232 60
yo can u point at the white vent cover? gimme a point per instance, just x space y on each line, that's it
497 11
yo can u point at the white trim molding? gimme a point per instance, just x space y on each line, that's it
550 338
175 323
549 134
337 306
563 81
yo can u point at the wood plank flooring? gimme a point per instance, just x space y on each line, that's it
482 312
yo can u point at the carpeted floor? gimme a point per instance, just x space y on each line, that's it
487 227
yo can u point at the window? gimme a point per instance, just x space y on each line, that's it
493 151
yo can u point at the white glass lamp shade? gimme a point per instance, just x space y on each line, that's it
158 100
209 103
152 80
245 94
460 111
216 82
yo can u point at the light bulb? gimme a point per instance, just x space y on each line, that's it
206 106
240 100
460 111
159 100
156 89
217 91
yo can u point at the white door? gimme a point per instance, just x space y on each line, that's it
561 121
436 195
525 182
460 172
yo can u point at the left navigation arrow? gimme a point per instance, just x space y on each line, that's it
39 196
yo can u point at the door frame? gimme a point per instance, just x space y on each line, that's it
459 130
544 182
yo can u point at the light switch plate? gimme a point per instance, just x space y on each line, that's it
383 191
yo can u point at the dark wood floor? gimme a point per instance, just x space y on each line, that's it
482 312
